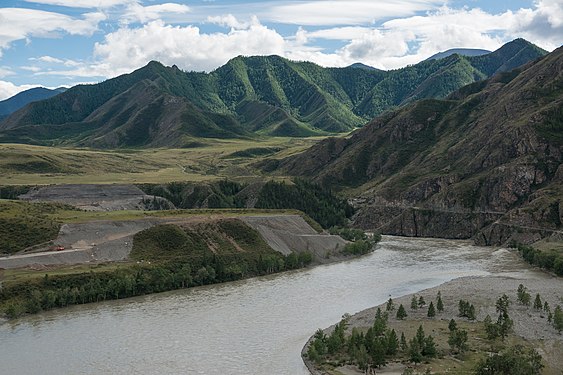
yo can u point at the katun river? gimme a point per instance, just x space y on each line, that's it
255 326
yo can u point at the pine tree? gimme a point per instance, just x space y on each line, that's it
431 311
421 302
452 326
403 342
380 322
439 303
429 347
471 312
414 303
558 318
392 342
401 313
546 306
390 305
537 302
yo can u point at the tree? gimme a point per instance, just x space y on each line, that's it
414 303
420 336
537 302
390 305
452 326
415 354
421 301
392 342
380 322
439 303
458 340
516 360
471 312
502 304
431 311
378 351
558 318
403 342
401 313
546 306
523 296
429 348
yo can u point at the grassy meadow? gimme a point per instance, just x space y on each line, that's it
212 159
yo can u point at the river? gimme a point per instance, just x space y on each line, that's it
254 326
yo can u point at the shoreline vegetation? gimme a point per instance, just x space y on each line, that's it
482 325
166 257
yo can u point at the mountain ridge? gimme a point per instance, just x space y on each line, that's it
482 162
246 97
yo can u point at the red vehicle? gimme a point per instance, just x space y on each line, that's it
57 248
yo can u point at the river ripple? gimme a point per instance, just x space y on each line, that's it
255 326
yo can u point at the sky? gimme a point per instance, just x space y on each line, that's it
55 43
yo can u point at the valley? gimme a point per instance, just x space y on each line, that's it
162 179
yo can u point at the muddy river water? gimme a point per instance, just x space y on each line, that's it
255 326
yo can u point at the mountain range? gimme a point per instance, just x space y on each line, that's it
21 99
486 161
158 106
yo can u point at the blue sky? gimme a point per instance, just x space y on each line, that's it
64 42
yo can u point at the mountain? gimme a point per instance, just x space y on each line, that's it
362 66
459 51
19 100
484 162
158 106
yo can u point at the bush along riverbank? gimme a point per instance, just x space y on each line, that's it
439 333
164 257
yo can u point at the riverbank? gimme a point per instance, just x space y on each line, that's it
531 327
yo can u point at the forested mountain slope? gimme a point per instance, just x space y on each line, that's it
158 106
486 157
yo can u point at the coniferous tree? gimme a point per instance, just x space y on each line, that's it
401 313
452 326
403 342
414 303
392 342
380 322
537 302
546 306
390 305
431 311
558 318
439 303
421 302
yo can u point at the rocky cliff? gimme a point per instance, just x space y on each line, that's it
484 162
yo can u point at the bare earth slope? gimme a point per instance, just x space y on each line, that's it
107 241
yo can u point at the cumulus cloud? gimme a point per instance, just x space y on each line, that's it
187 47
19 23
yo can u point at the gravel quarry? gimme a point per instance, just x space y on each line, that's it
111 241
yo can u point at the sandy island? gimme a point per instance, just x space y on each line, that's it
529 324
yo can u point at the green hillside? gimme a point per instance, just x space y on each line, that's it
158 106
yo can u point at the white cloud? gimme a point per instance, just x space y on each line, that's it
230 21
19 23
47 59
34 69
5 71
8 89
138 13
83 3
346 12
187 47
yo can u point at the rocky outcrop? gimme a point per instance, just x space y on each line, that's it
490 154
423 222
